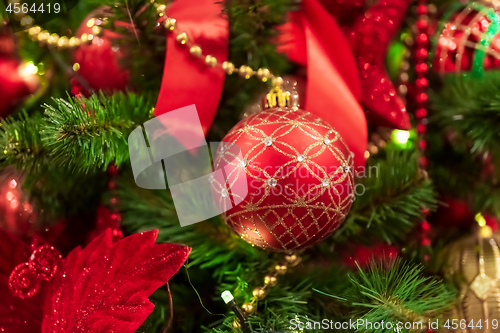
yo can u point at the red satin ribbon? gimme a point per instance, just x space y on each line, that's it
314 39
186 79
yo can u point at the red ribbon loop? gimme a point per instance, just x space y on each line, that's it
187 79
313 38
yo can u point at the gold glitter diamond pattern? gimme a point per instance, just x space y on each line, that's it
319 203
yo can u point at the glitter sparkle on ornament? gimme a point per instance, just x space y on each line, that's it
325 182
272 182
243 163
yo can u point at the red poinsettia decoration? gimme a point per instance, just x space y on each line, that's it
101 288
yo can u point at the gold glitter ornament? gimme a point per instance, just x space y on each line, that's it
474 267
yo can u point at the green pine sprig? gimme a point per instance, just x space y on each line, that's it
395 192
471 107
396 291
88 134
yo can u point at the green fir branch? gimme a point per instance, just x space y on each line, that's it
395 194
88 134
146 209
284 303
471 107
21 143
395 291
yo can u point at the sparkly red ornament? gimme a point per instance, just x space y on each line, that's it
468 39
23 282
98 61
44 262
18 314
16 83
369 38
299 174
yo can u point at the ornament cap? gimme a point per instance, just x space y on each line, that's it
278 97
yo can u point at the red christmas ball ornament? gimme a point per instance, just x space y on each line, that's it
299 175
464 42
98 60
17 82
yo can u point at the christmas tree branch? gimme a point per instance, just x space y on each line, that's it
88 134
145 209
252 42
395 291
284 302
393 199
471 107
21 142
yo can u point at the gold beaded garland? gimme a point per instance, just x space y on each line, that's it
280 269
195 50
211 61
228 67
182 38
249 308
270 280
170 23
259 293
245 71
160 9
277 81
62 42
291 258
263 74
236 324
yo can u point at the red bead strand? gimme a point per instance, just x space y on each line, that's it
421 30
